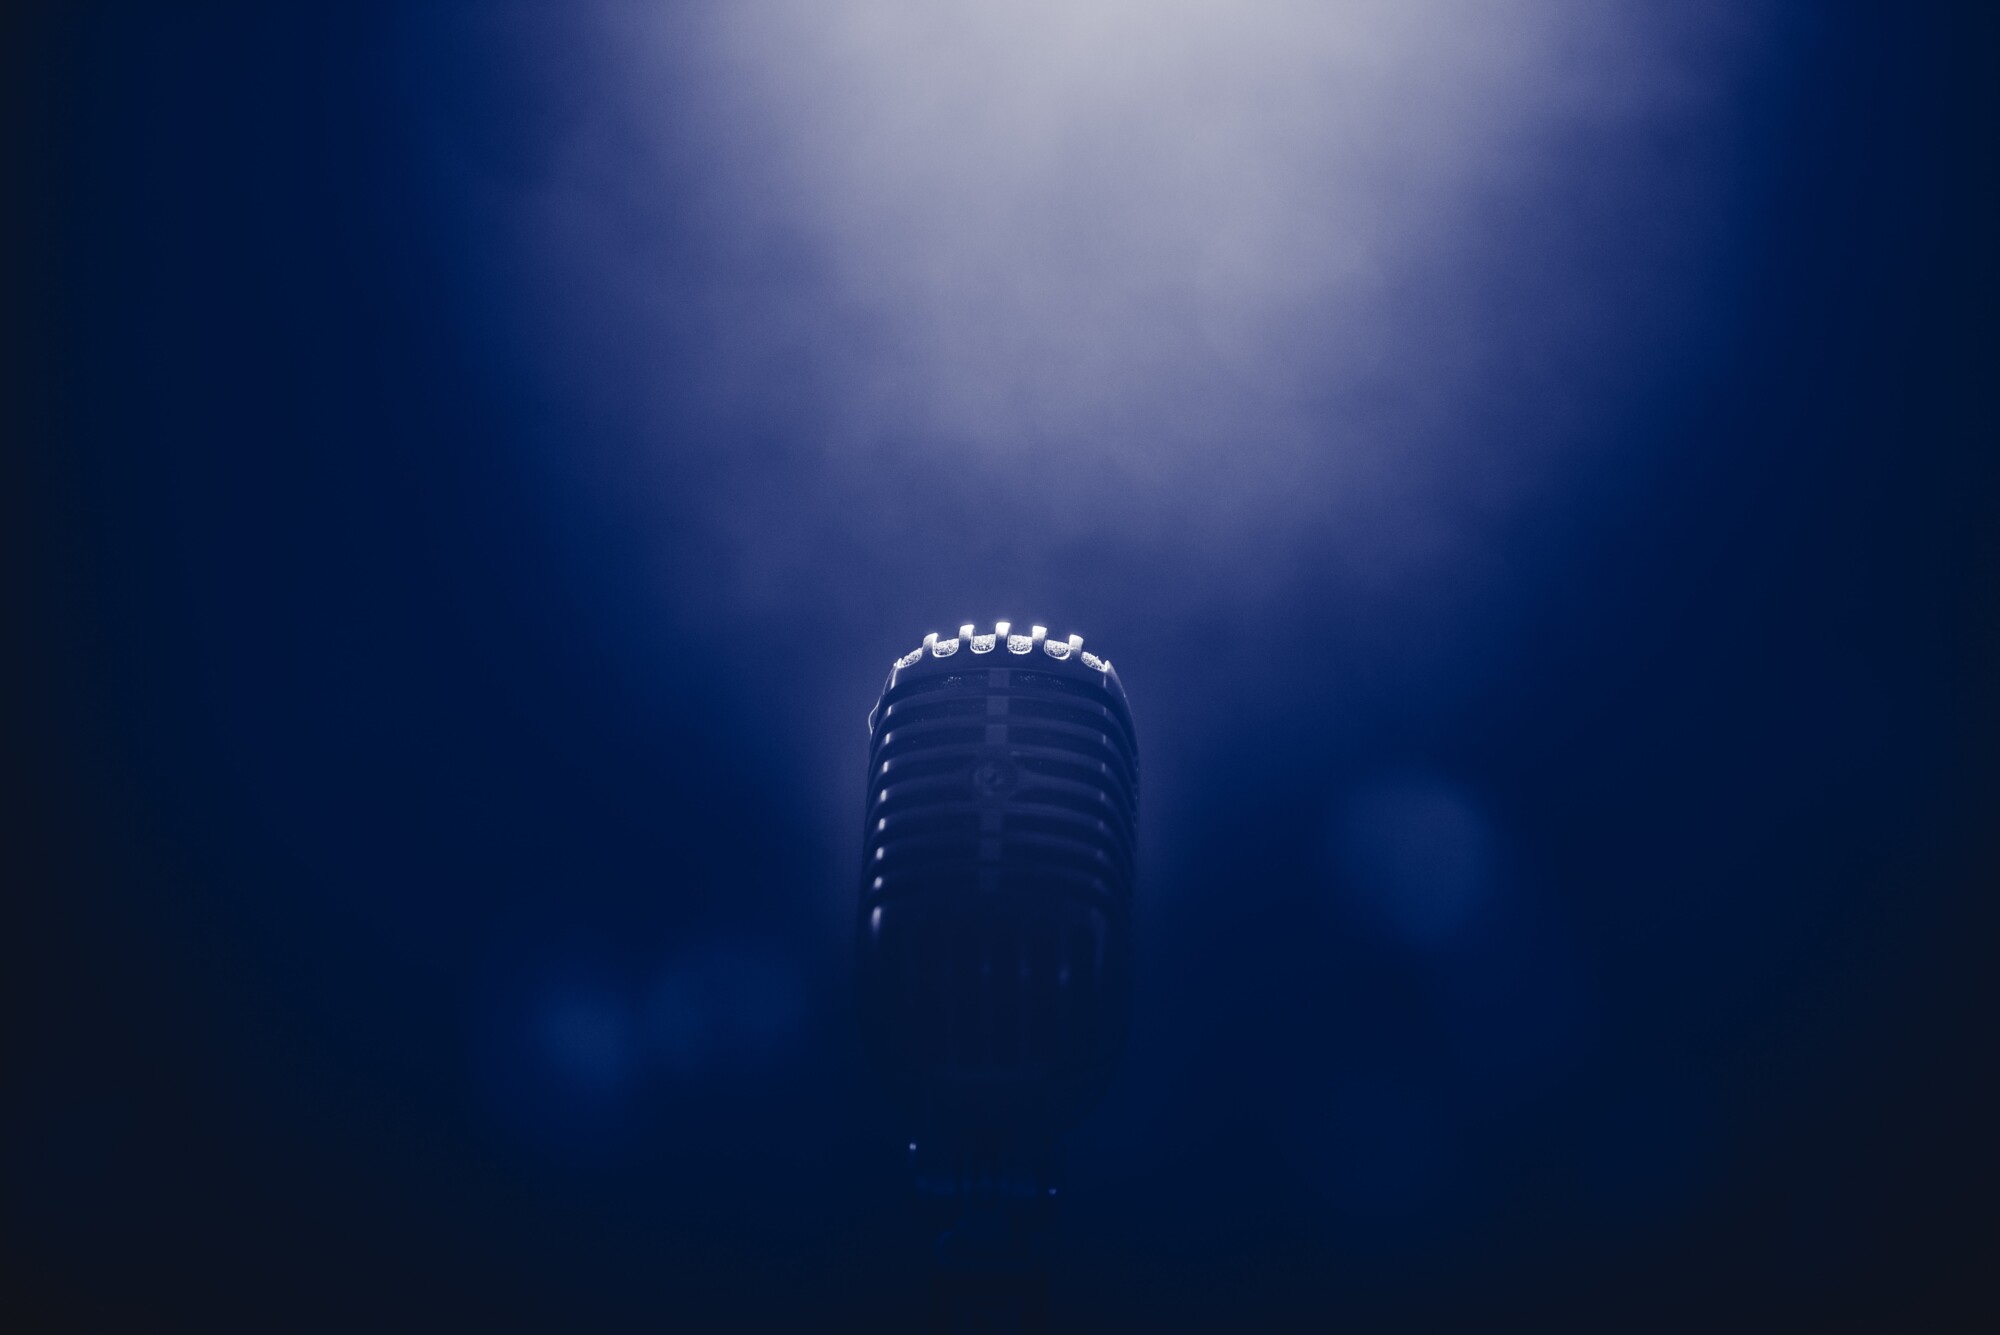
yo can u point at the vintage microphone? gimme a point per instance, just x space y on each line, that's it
995 936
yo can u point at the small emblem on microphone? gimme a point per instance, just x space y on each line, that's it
994 776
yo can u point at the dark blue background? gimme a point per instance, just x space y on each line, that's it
428 880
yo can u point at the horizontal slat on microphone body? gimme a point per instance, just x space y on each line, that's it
1085 688
1080 745
936 889
1061 743
1086 692
1093 805
920 738
1061 766
1090 818
923 764
1034 844
1094 716
1064 870
931 708
1106 799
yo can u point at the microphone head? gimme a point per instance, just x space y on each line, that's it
996 886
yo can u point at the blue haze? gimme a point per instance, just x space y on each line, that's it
1532 466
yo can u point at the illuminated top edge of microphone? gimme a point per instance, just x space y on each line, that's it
997 880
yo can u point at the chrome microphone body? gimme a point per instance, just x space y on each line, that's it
997 880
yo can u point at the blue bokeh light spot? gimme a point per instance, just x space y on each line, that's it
1414 857
585 1040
